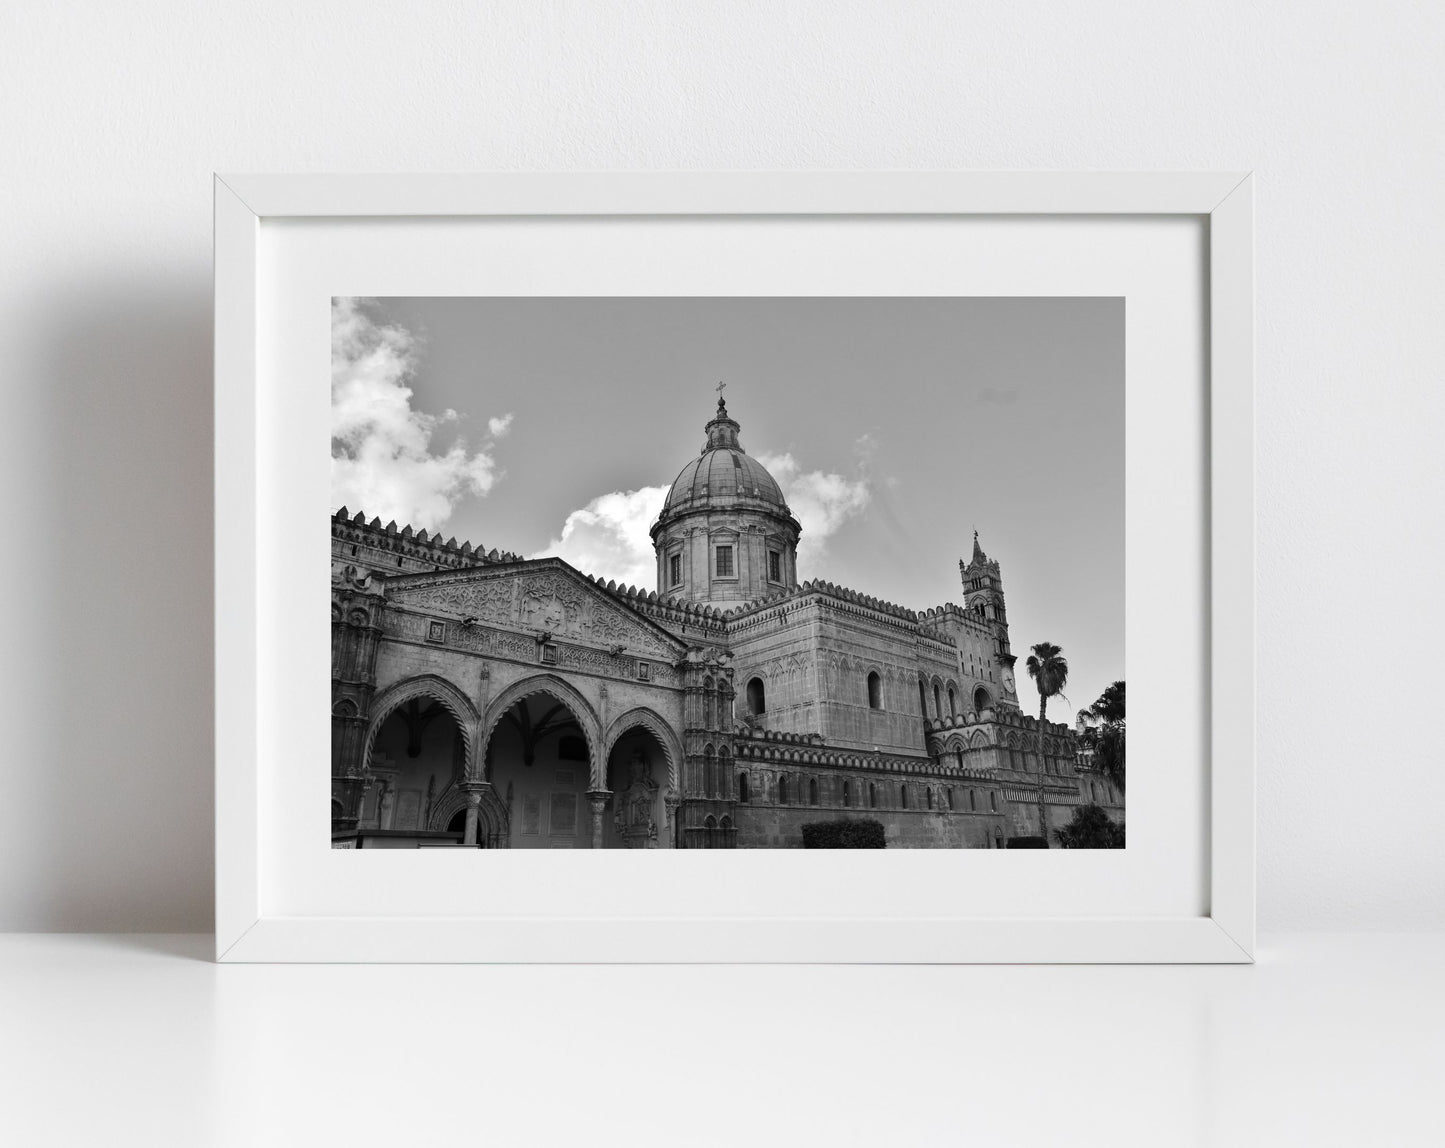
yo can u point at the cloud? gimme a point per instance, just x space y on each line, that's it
821 502
609 537
382 461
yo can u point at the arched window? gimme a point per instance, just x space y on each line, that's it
981 700
902 796
709 773
757 698
709 829
742 785
875 691
928 795
782 789
972 801
922 698
952 703
993 802
812 791
872 796
724 772
937 703
847 792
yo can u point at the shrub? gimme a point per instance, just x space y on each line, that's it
850 833
1090 829
1027 843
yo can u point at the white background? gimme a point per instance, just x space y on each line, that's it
113 116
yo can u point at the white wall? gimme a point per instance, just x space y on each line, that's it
112 117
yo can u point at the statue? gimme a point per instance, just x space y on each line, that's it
634 806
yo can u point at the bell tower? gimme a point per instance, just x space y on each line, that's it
984 600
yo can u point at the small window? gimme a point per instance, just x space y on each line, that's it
993 802
742 786
875 691
902 796
813 791
724 561
709 773
928 793
937 703
757 697
775 566
952 703
847 792
950 797
972 801
674 570
872 796
782 789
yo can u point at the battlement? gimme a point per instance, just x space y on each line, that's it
828 589
406 549
666 610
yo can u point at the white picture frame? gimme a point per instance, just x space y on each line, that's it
249 929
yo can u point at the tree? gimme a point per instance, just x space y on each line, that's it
1090 829
1109 741
1050 671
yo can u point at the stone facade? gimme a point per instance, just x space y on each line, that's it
485 699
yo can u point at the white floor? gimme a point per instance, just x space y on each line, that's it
1329 1039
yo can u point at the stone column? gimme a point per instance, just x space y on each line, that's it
671 803
597 799
473 790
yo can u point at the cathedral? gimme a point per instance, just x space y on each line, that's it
484 700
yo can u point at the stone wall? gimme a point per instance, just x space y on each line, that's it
781 827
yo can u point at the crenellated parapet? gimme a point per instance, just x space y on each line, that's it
393 549
690 620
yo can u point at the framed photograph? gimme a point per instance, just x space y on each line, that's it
798 526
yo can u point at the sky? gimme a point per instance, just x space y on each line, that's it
895 427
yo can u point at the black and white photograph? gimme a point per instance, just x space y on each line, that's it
727 573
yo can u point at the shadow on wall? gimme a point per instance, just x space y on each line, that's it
117 739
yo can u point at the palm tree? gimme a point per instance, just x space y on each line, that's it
1050 671
1109 747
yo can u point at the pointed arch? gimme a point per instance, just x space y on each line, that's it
640 717
493 817
439 690
564 692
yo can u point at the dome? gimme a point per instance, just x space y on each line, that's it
724 476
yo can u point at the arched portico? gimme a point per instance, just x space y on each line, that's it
418 742
559 690
643 718
541 756
425 686
642 772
